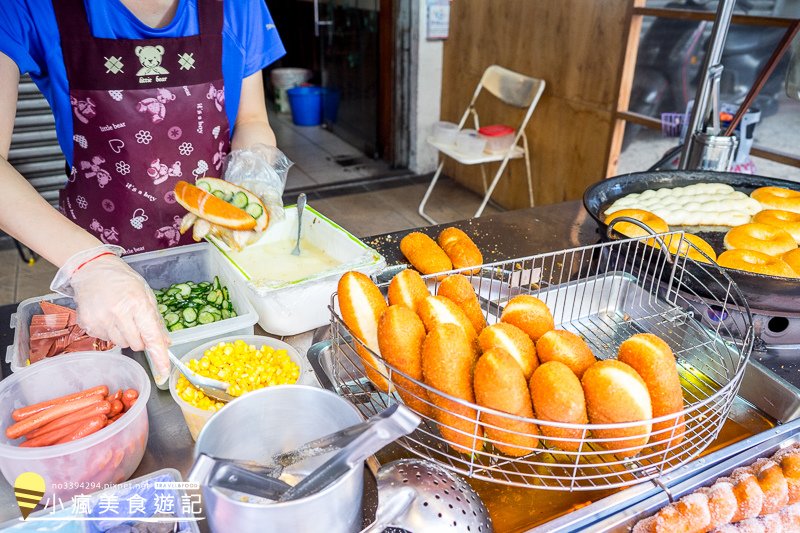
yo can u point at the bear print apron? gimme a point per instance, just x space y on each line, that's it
146 113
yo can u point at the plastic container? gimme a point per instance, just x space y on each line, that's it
445 133
284 79
110 455
302 305
17 353
306 104
470 143
196 418
499 138
273 420
196 262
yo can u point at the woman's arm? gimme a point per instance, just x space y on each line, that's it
252 124
24 214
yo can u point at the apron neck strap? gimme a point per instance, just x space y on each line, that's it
74 22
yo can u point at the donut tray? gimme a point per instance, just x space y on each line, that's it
612 516
604 293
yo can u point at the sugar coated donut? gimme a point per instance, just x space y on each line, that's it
773 483
760 238
679 246
778 198
792 258
756 262
631 230
785 220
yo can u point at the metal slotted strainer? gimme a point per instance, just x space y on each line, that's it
420 496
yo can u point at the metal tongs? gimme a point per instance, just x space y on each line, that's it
356 443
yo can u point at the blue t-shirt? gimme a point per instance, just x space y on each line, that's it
29 36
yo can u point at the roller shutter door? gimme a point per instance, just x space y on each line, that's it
35 152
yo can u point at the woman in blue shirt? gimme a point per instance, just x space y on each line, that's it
144 93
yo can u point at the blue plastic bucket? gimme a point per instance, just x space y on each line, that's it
306 104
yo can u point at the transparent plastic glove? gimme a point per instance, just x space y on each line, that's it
262 170
115 303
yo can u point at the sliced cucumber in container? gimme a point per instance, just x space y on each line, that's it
189 304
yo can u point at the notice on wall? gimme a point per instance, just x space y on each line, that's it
438 20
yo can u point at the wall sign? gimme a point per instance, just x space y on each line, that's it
438 20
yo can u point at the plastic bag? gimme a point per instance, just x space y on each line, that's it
262 170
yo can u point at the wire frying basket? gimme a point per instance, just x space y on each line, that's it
605 293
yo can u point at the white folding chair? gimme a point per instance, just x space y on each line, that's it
515 90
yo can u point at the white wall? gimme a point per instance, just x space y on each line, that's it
426 86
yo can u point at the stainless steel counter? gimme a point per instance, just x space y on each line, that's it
502 236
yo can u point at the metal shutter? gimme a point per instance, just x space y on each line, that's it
35 152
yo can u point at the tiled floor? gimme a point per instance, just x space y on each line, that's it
320 157
363 213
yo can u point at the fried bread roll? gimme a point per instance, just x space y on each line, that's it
557 396
424 254
615 393
437 310
500 385
529 314
653 360
773 484
514 341
362 304
461 250
565 347
408 288
458 289
400 337
447 365
749 496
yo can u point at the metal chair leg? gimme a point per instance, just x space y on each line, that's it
496 179
421 209
528 168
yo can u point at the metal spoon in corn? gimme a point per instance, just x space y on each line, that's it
210 387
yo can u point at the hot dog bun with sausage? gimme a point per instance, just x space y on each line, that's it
424 254
500 385
565 347
459 290
205 205
400 337
615 393
447 365
361 304
557 396
529 314
461 250
514 341
408 288
653 360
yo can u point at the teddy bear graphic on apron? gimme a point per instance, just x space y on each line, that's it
144 112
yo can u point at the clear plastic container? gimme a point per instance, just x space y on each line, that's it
197 418
445 133
110 455
498 138
196 262
302 305
17 353
470 143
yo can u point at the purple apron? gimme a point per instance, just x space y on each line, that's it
146 113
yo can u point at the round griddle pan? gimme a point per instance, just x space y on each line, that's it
764 293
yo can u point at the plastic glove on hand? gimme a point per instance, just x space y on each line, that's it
263 170
115 303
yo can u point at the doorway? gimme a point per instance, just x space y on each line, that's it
349 46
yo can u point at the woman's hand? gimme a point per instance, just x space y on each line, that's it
115 303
